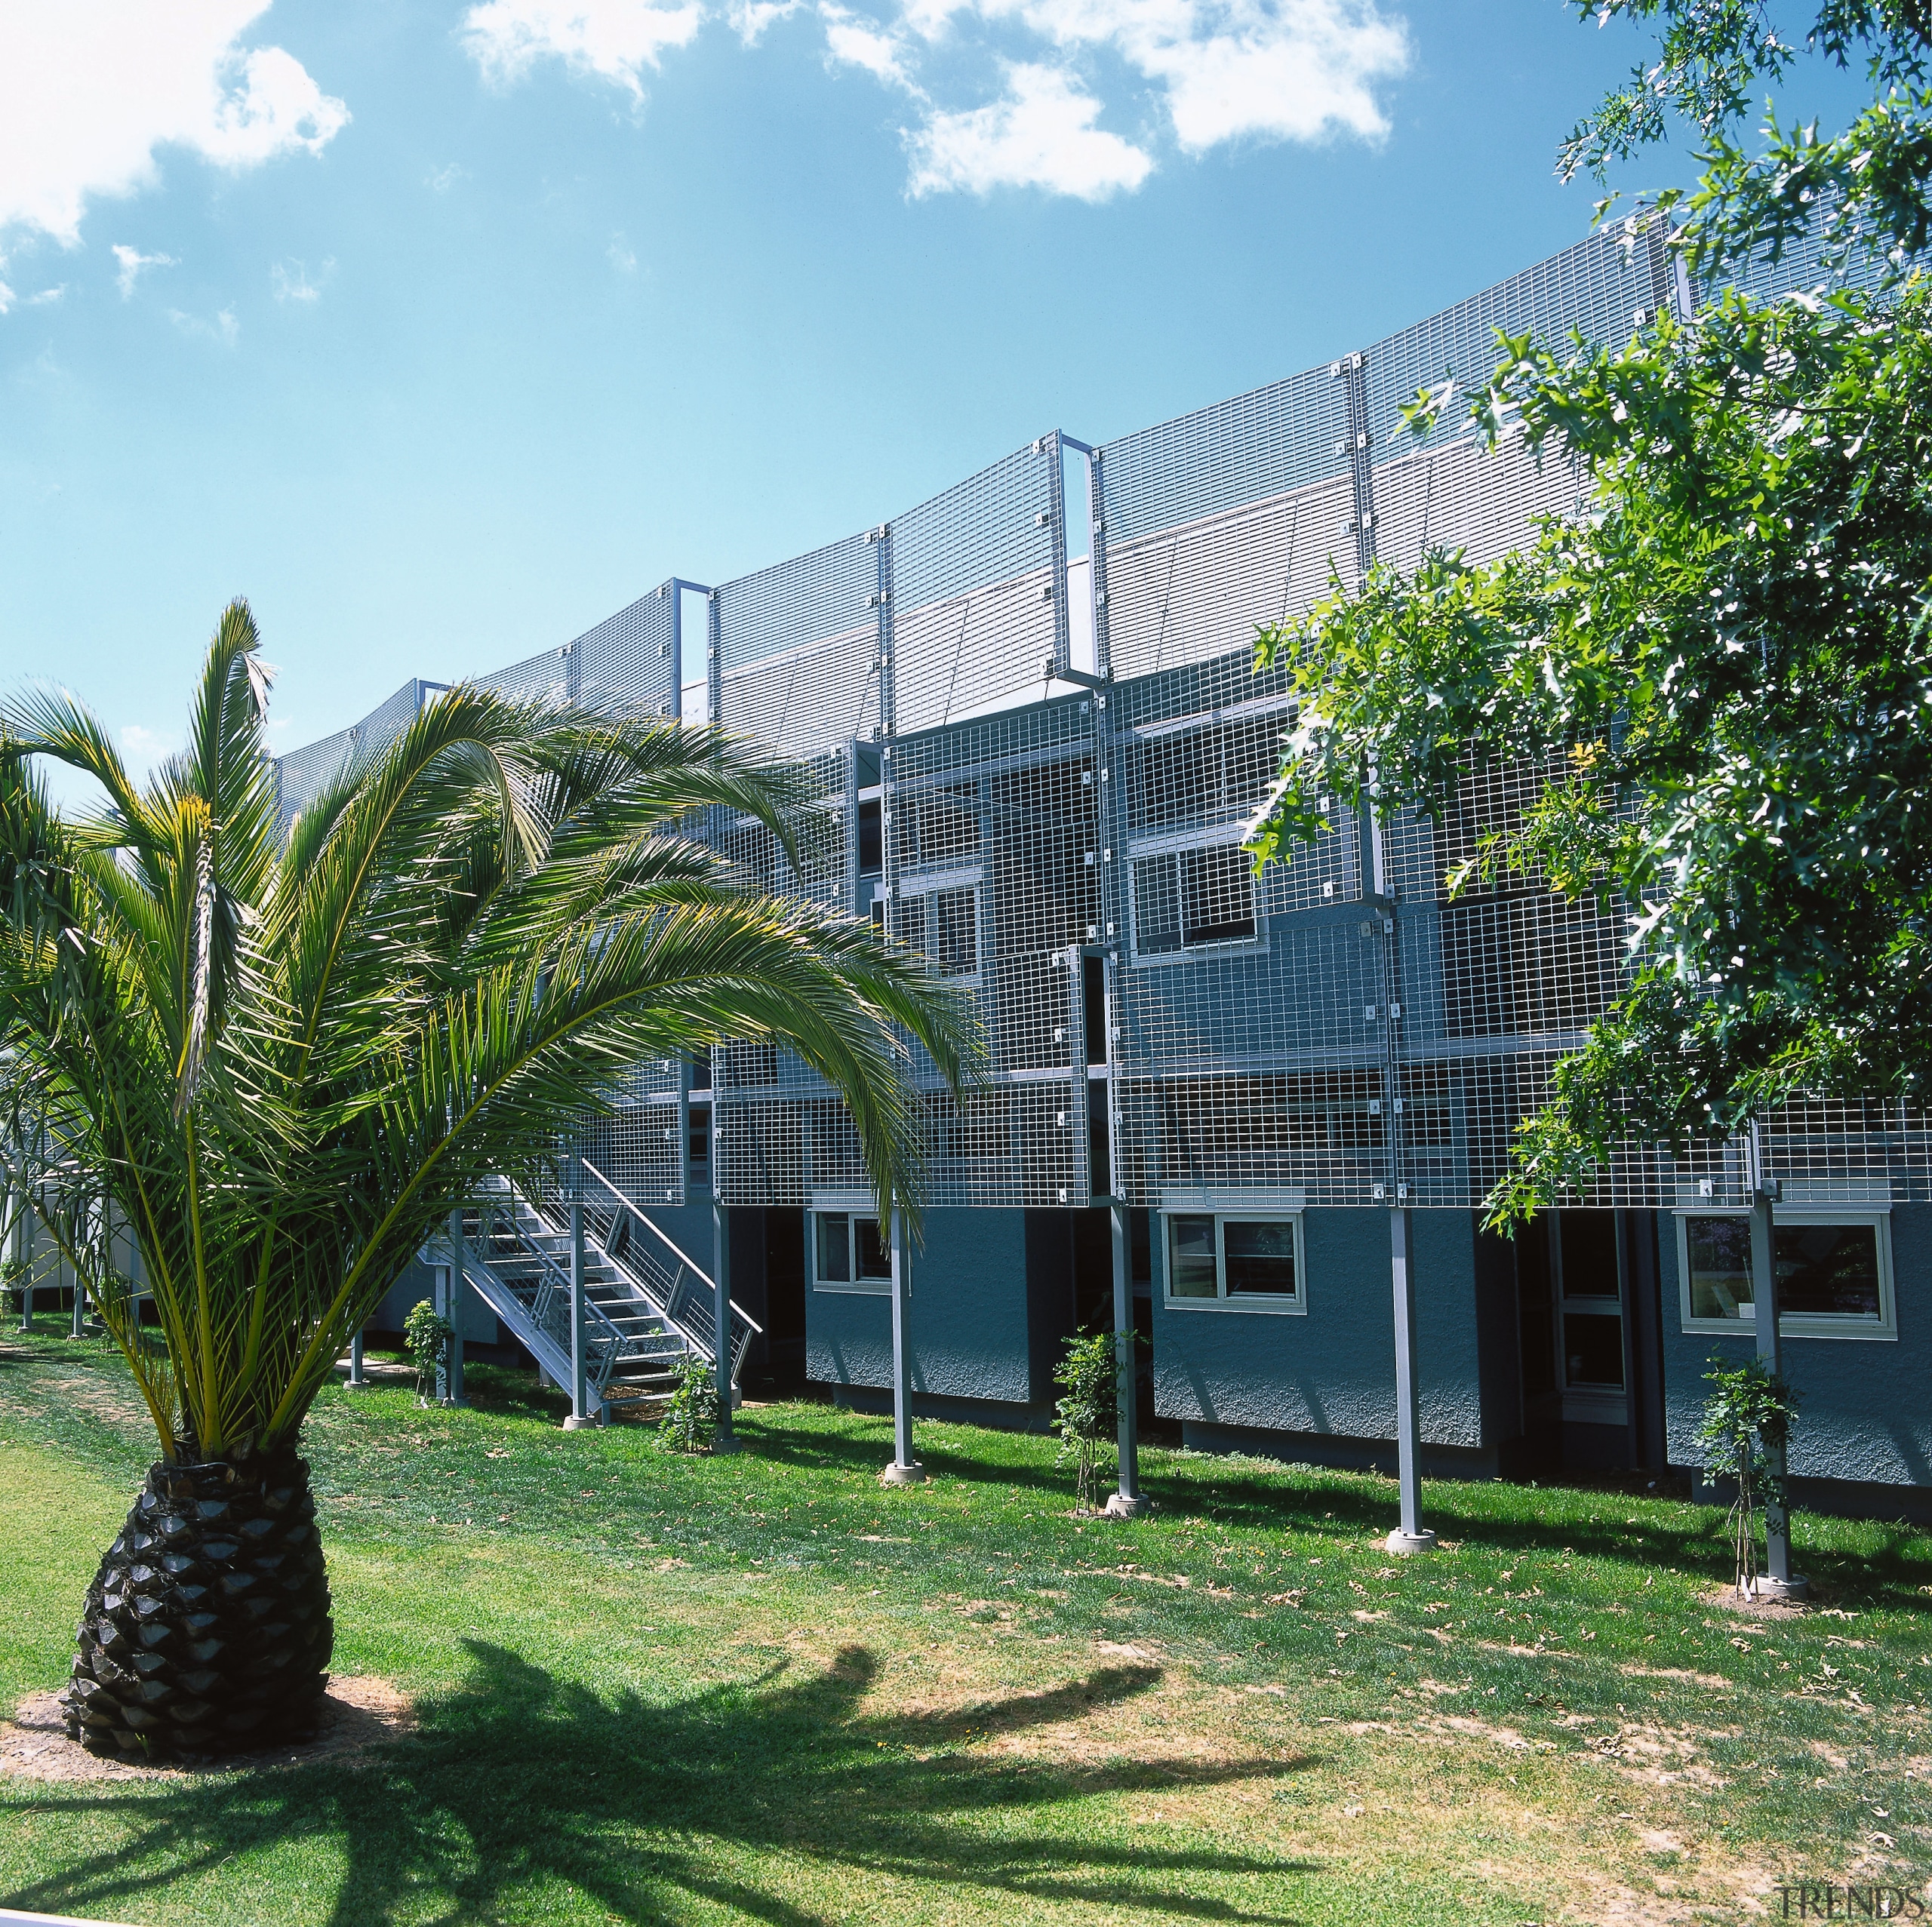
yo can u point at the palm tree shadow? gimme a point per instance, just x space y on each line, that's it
521 1781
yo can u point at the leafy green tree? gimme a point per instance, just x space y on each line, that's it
289 1056
1726 663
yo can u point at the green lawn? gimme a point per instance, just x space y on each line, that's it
763 1689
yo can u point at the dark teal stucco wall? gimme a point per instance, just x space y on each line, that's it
1866 1412
968 1316
1332 1370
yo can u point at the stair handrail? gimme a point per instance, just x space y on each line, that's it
607 1345
683 1257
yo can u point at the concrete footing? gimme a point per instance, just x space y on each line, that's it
1399 1541
896 1474
1119 1506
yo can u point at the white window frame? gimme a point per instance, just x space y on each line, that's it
1179 843
862 1287
1273 1304
1797 1324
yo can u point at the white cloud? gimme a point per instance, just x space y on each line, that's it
132 261
288 281
90 90
224 328
46 296
1215 70
621 255
749 18
1040 134
1280 69
853 42
444 179
613 40
6 297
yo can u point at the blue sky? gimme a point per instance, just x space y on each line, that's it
442 331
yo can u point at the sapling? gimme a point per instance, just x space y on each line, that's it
690 1413
1091 1374
427 1334
1747 1419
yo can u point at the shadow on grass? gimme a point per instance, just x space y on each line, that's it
521 1781
1588 1521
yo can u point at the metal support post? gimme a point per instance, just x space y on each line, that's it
726 1440
1411 1535
26 1260
1778 1581
79 1328
905 1469
1127 1502
455 1313
357 1376
580 1419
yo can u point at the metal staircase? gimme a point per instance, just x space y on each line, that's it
648 1305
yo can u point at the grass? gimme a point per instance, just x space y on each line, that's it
761 1688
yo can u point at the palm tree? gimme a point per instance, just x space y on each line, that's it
280 1059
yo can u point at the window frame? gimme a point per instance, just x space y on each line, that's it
1272 1305
1797 1324
941 883
855 1285
1146 848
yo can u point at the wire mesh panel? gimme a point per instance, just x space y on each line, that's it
977 611
1341 1029
548 677
627 664
1602 289
798 649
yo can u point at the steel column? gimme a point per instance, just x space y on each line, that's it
1411 1535
455 1313
1778 1582
726 1440
357 1376
905 1469
579 1416
1126 1502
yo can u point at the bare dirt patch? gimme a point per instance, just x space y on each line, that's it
358 1715
1726 1599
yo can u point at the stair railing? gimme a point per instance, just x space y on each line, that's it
681 1307
604 1345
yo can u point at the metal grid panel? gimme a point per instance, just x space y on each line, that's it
977 599
1337 1031
1186 593
548 677
1271 442
627 664
797 649
1598 288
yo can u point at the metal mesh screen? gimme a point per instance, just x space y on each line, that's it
1163 1026
798 651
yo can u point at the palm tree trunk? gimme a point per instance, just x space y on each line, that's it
207 1627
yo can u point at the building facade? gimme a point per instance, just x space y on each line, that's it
1031 706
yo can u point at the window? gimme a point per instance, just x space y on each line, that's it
1235 1261
1186 898
871 837
945 925
698 1121
1834 1272
848 1254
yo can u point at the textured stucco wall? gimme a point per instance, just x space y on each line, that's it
1333 1369
968 1315
1866 1414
